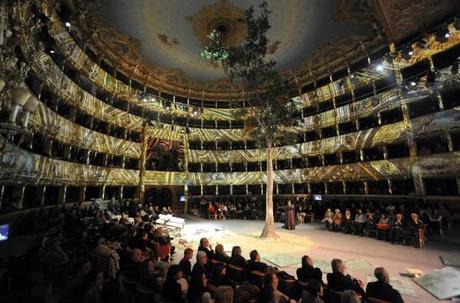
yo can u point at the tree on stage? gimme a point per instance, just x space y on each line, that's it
270 115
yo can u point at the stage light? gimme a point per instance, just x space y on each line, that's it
413 83
410 53
52 51
67 24
446 35
379 68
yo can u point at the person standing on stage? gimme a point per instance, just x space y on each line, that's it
290 216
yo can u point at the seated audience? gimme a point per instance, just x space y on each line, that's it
220 255
198 290
338 281
328 216
347 225
270 292
359 222
220 278
381 289
313 292
254 262
92 290
174 287
206 247
185 264
76 280
349 296
224 294
416 227
307 272
397 229
149 278
337 221
237 259
132 269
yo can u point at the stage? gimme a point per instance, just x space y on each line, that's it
361 254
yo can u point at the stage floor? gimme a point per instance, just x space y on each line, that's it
361 254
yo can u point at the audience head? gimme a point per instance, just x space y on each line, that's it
137 256
254 255
224 294
174 273
219 249
382 274
349 296
337 266
271 280
201 257
315 288
148 266
220 269
307 261
188 253
204 242
236 251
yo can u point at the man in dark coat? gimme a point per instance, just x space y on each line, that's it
338 281
381 289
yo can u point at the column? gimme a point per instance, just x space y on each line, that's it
385 152
201 190
325 188
366 187
41 195
18 195
247 189
82 194
344 185
142 159
2 193
390 187
102 192
120 192
62 194
309 188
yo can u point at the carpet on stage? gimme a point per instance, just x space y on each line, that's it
441 283
451 260
282 260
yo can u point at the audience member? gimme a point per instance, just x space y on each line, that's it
254 262
270 292
338 281
185 264
381 289
174 288
237 259
313 292
308 272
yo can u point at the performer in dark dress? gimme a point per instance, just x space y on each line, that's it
290 216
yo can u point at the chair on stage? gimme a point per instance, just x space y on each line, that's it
236 273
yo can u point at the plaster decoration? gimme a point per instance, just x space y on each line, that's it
224 17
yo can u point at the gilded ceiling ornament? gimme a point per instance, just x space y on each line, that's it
227 19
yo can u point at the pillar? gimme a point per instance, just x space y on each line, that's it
18 196
62 194
390 187
102 192
344 185
120 192
82 194
41 194
2 193
385 152
142 160
366 187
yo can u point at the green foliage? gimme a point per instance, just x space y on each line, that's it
250 64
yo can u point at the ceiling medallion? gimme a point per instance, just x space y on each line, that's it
223 17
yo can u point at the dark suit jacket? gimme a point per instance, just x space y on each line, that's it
196 287
209 252
259 266
308 273
238 261
339 282
186 267
383 291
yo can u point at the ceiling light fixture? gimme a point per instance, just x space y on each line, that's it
67 24
379 68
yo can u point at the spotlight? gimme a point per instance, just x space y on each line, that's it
410 53
379 68
413 83
446 35
442 35
52 51
67 24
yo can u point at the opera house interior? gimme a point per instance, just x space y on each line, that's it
229 151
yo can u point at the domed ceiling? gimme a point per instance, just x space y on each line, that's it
172 32
158 42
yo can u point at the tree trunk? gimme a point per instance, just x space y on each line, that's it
269 227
